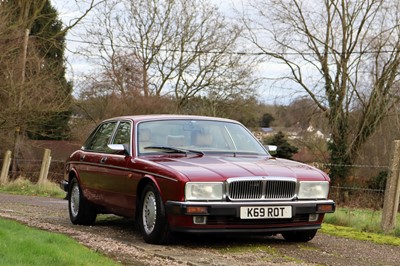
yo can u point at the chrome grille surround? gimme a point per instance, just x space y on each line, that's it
261 188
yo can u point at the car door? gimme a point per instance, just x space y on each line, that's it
105 177
117 180
92 160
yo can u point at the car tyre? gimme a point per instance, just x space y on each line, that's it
299 236
80 210
152 220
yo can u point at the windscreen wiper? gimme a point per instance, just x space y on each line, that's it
173 149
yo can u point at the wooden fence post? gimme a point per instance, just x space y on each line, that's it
392 191
44 170
6 168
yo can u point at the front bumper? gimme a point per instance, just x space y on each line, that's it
225 216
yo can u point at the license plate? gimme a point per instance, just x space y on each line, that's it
261 212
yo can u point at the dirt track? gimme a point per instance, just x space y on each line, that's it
117 238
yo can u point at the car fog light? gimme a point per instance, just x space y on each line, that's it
313 217
199 219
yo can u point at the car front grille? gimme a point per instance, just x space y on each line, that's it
261 188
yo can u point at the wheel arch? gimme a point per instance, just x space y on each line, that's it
81 211
152 223
71 174
139 190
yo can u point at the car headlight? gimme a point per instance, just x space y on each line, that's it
313 190
204 191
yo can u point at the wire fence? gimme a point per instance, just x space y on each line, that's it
364 188
358 197
356 194
30 169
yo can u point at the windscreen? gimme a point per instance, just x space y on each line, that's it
199 135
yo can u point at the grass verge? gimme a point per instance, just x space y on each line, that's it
21 245
22 186
362 220
352 233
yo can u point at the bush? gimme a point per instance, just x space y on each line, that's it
379 181
285 149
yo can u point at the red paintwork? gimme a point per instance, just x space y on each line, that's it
218 168
113 185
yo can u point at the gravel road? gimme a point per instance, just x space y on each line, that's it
118 238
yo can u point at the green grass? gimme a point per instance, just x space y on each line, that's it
362 220
22 186
21 245
352 233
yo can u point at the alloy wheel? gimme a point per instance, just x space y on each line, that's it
149 213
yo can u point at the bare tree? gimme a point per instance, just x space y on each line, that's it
35 96
29 83
185 48
344 54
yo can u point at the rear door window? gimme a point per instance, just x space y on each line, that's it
99 140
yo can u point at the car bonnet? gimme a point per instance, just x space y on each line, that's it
214 168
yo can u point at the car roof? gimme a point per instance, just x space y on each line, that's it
140 118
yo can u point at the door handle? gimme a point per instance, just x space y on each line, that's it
82 158
103 160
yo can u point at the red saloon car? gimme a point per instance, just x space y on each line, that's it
192 174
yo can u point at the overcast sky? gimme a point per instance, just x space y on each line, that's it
77 65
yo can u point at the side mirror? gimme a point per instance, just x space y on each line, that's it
119 148
272 149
